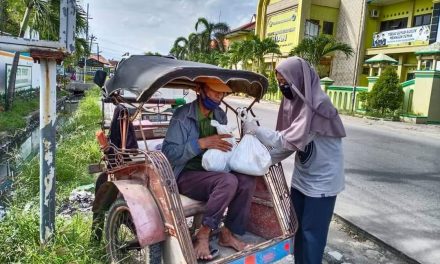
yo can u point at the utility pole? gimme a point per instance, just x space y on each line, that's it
87 40
92 38
87 21
97 44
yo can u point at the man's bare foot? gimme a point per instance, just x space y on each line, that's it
227 239
201 244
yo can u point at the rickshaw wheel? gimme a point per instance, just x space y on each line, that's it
122 243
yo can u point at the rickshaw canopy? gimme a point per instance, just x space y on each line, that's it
143 75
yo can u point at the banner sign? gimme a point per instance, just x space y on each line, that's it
281 27
402 35
23 79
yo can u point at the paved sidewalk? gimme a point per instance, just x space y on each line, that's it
346 245
417 130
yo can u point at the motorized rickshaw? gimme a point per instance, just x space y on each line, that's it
146 219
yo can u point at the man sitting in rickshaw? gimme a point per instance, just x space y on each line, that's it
189 135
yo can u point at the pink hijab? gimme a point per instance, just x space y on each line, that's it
310 112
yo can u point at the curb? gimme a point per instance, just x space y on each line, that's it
375 239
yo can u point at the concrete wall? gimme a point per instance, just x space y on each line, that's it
422 93
434 105
6 58
348 30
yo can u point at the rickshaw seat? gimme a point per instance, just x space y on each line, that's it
191 207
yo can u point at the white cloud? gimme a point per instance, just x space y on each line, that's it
137 26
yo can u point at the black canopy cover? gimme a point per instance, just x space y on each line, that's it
143 75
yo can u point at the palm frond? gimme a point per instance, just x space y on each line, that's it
314 49
202 21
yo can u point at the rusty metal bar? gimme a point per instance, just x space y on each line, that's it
47 149
163 167
25 45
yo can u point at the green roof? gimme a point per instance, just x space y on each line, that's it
434 48
381 58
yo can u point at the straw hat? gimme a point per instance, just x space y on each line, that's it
214 84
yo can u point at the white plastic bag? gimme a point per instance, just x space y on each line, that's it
217 160
250 157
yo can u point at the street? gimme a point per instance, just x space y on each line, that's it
392 182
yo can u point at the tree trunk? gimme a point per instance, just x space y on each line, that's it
12 77
11 86
2 21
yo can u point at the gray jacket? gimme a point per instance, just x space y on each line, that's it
181 141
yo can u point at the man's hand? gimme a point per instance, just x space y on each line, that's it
216 142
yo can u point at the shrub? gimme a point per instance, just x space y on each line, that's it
387 94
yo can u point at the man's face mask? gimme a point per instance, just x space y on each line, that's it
286 91
208 102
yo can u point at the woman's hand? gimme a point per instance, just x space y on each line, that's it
216 142
250 127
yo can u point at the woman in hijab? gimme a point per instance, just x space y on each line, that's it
310 125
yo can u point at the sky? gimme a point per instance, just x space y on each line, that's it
138 26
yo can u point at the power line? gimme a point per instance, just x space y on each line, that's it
105 47
121 45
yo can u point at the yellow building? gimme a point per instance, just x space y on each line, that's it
288 22
406 31
244 32
398 29
401 30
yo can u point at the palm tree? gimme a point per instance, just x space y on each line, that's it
246 53
180 48
43 16
39 8
194 40
234 54
198 45
212 32
224 60
316 48
8 24
263 48
254 50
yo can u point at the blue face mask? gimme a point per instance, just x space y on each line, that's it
286 91
209 103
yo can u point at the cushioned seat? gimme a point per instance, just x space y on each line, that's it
191 207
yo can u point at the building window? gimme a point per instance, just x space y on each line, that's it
394 24
327 28
312 28
422 20
366 70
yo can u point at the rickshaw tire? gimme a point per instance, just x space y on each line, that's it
154 250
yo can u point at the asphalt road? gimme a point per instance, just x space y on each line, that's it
392 182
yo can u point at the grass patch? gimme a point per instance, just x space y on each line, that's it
16 118
76 148
24 103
